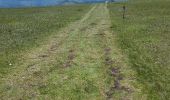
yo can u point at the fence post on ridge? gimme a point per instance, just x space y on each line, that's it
124 10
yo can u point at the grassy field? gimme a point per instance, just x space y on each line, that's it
86 52
25 28
80 62
144 35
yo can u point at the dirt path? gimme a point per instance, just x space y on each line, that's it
80 62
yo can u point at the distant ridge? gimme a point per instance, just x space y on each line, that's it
35 3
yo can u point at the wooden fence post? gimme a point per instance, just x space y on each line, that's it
124 10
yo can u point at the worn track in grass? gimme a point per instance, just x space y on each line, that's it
81 62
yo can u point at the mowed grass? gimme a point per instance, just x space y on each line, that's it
76 69
81 64
25 28
144 35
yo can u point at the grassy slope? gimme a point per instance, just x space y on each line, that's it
21 29
144 37
80 63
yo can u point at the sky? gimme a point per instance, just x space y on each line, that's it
29 3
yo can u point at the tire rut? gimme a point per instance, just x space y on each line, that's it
32 73
91 36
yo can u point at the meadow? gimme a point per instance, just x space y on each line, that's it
144 36
22 29
86 52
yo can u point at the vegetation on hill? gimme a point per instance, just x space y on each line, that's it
25 28
144 35
45 56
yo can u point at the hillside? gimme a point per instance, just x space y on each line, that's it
79 61
86 51
144 35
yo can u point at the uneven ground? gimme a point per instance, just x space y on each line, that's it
22 29
144 35
80 62
99 56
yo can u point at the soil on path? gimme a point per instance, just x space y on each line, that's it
87 45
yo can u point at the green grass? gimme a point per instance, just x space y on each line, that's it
76 70
144 35
25 28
